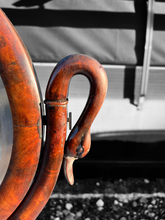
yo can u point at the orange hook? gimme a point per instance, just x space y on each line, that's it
79 140
78 143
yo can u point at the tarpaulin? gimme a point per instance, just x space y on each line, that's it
111 31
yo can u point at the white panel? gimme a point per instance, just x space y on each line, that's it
6 131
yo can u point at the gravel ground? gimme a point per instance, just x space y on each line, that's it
107 199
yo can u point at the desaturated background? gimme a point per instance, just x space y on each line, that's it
114 33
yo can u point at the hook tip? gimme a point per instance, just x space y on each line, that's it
68 169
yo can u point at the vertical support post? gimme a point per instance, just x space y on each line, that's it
147 53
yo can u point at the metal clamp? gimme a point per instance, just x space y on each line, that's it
70 120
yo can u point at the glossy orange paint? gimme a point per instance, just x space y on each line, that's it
79 140
56 111
17 74
17 201
44 183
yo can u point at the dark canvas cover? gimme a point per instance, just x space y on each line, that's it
111 31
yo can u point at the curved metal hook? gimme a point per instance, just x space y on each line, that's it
79 140
78 143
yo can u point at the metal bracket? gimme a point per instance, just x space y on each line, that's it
70 120
44 120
